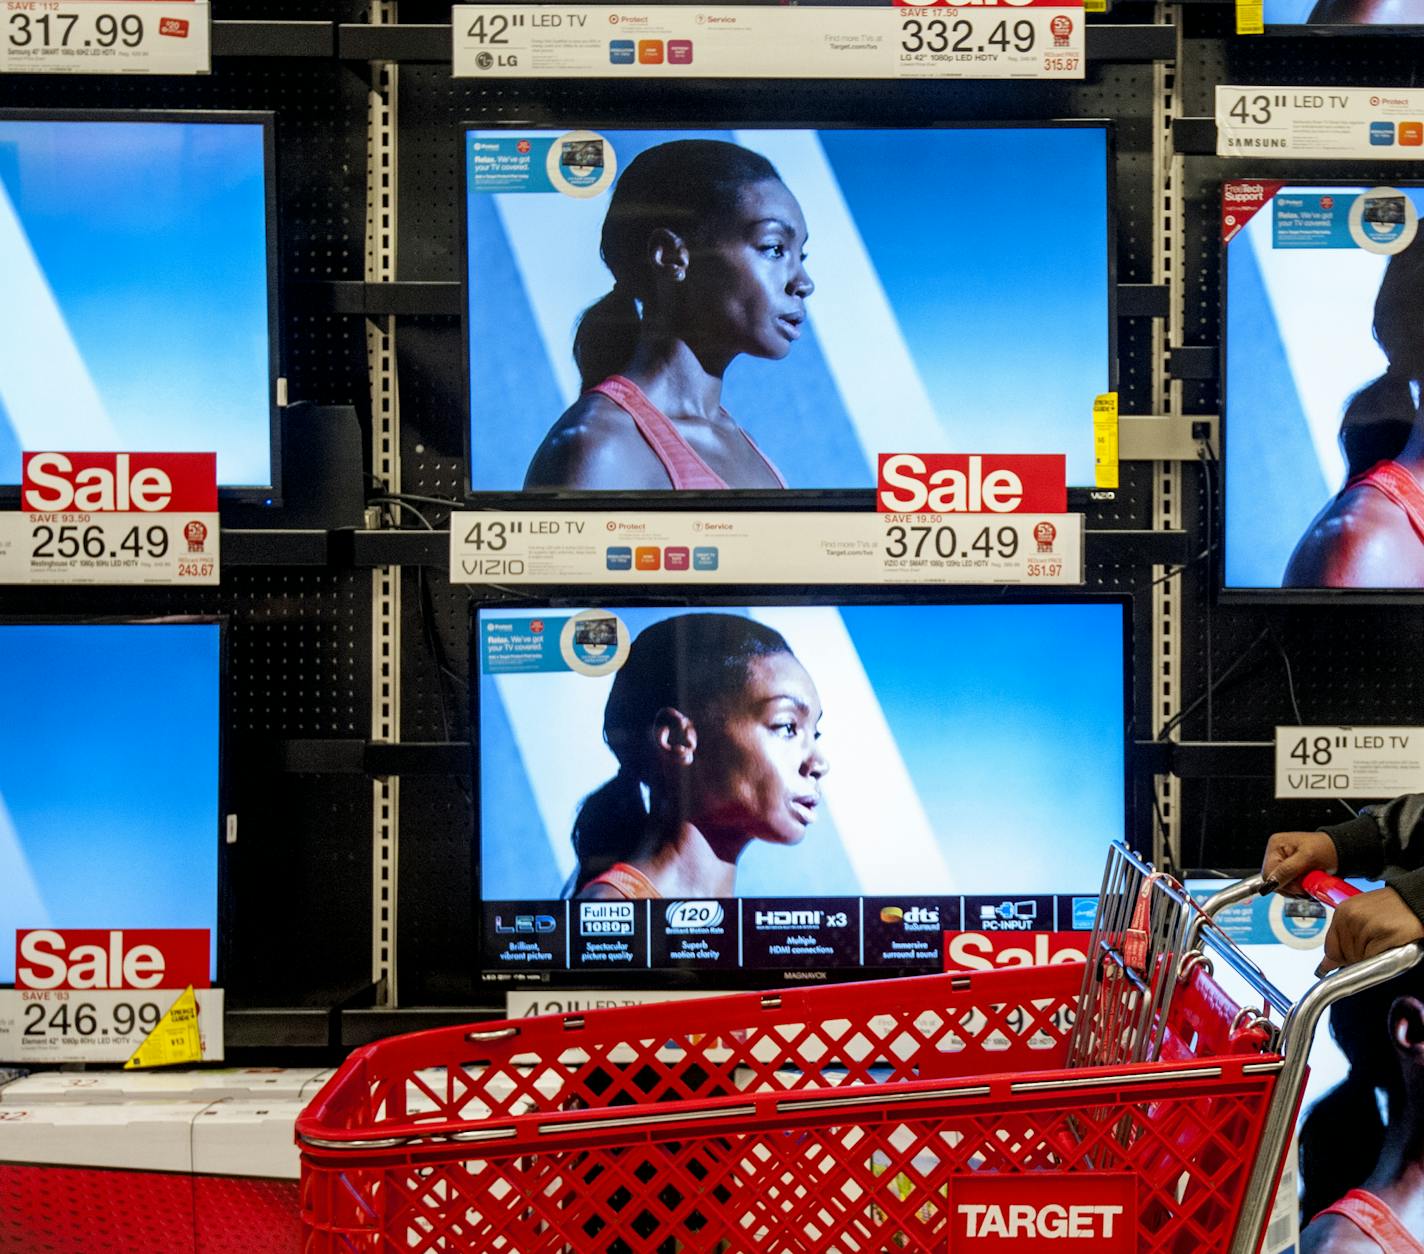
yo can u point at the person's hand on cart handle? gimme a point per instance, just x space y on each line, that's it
1366 925
1291 855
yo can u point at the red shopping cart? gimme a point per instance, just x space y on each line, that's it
1126 1105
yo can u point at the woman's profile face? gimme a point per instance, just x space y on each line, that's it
746 283
758 764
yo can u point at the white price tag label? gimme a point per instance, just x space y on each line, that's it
127 548
99 37
529 547
982 39
113 518
96 1025
1370 762
1366 123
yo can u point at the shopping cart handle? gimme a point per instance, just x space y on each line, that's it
1329 890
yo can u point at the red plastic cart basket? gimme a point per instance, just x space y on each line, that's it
1129 1106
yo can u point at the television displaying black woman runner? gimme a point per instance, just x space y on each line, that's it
762 309
791 786
1324 449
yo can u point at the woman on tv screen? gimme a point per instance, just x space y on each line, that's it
1371 533
714 725
706 247
1366 13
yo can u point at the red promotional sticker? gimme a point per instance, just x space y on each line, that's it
177 27
983 951
146 483
971 483
1240 202
94 958
1041 1213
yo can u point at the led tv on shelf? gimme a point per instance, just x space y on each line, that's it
138 260
109 777
1335 16
1323 362
858 291
805 786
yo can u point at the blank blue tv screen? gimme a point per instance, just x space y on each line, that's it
134 259
960 297
109 801
860 761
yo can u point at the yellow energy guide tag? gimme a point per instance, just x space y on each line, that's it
1095 6
175 1038
1105 440
1250 17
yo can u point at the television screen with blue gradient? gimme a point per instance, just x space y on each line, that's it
137 311
1342 13
961 298
968 758
1303 278
109 778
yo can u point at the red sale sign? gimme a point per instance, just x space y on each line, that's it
971 483
983 951
147 483
93 958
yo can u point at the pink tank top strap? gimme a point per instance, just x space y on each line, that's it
1398 486
683 465
628 880
1377 1221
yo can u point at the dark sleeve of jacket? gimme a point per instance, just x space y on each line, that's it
1386 842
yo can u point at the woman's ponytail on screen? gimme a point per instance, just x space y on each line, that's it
607 336
679 187
1380 417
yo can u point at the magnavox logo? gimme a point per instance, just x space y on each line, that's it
1041 1214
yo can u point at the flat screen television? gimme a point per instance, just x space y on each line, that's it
956 294
1321 377
138 255
110 778
789 787
1333 17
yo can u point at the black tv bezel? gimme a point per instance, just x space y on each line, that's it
1236 594
692 597
224 913
260 494
1080 496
